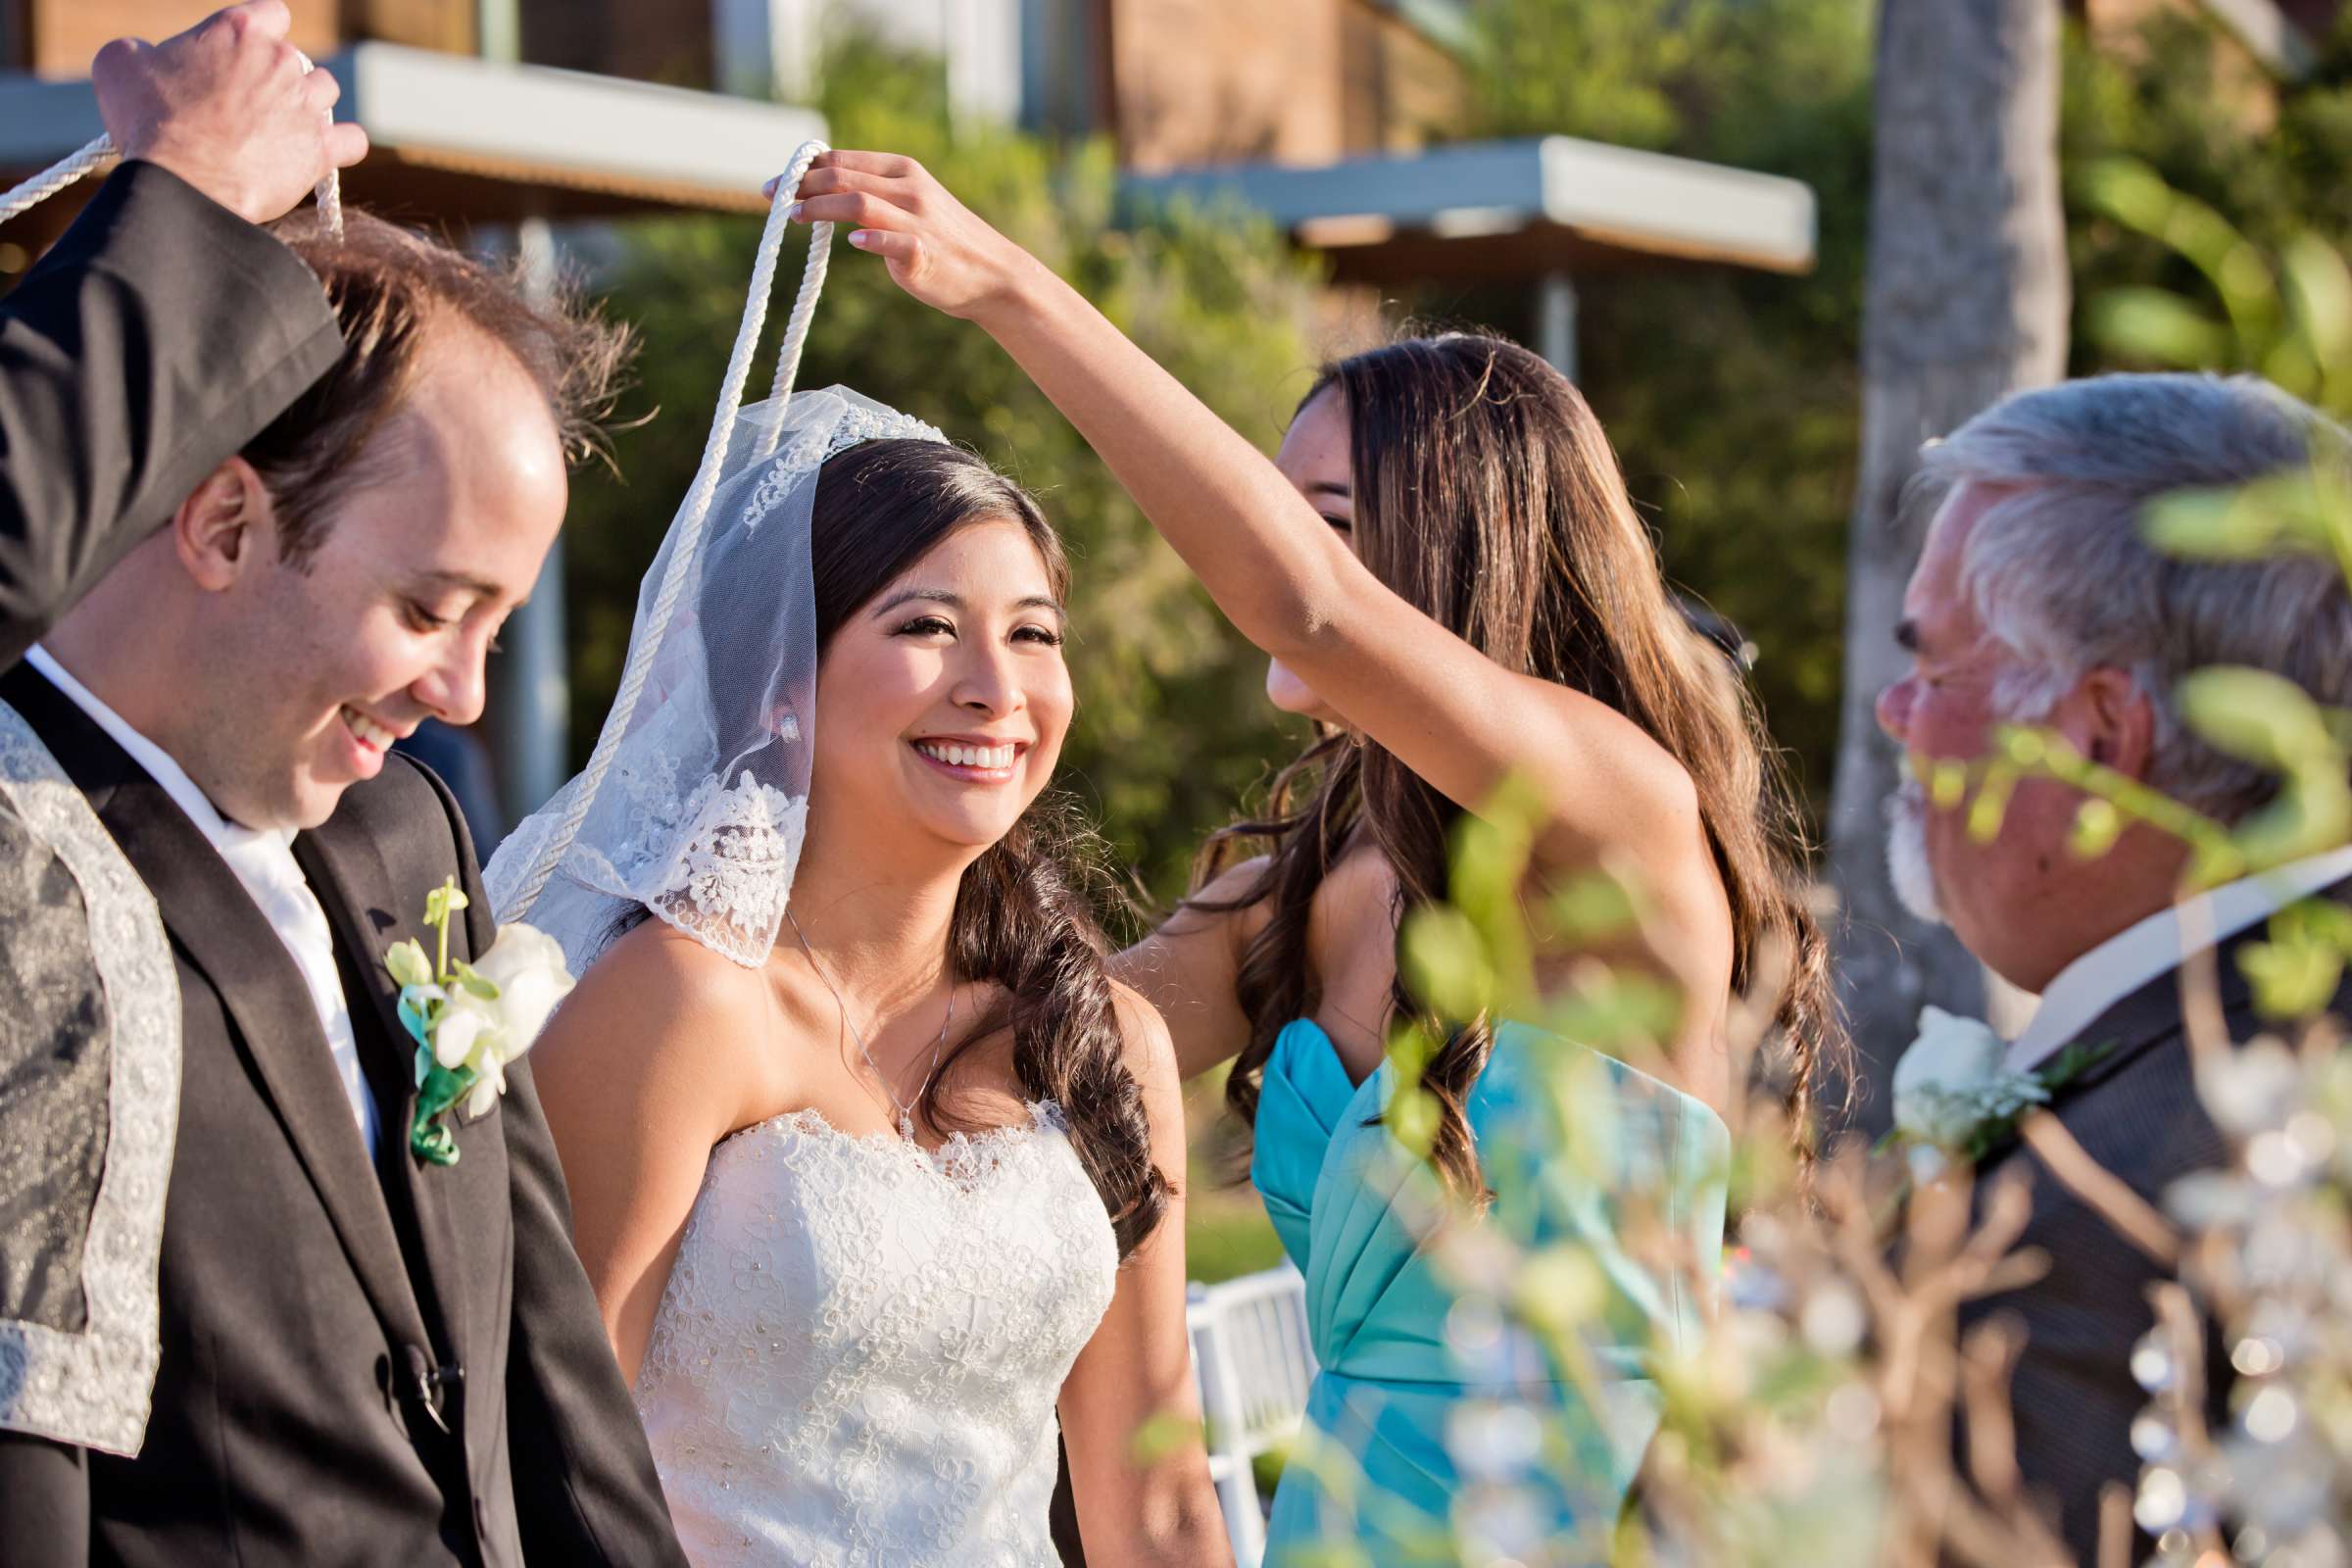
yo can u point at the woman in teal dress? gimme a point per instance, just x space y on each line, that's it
1385 1405
1453 584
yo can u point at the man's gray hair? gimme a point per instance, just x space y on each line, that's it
2060 571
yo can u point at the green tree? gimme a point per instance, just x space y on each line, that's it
2242 183
1173 728
1733 398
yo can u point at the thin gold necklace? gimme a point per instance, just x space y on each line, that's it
905 1108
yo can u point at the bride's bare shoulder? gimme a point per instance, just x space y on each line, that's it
660 995
656 957
653 1057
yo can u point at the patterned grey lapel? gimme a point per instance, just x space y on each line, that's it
90 1383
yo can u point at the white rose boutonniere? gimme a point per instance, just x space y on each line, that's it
1953 1098
469 1020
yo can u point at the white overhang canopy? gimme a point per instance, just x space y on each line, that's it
1513 210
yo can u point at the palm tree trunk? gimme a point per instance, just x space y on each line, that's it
1967 300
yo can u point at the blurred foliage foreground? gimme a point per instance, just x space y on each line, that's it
1814 1421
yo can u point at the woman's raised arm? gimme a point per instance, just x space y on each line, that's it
1458 719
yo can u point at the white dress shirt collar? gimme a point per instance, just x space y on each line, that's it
2129 960
156 761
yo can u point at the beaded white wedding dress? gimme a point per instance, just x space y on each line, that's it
857 1357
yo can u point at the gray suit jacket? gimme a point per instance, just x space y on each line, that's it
2136 1112
361 1363
357 1363
153 341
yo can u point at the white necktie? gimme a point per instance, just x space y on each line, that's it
264 863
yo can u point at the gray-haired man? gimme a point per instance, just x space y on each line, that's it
2038 600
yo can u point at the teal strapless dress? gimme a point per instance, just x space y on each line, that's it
1415 1429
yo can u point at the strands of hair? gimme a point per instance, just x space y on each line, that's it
392 292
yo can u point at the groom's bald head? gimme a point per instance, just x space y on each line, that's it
397 297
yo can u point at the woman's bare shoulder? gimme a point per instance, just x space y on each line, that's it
669 966
658 1000
1233 899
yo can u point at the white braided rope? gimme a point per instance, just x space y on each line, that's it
697 509
95 157
98 156
804 312
328 194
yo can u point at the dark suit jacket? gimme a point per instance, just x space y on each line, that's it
2136 1112
396 1364
155 339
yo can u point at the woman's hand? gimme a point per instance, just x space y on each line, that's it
937 250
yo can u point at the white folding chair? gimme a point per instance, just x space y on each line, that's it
1253 1360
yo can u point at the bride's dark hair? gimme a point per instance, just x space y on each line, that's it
1022 920
1488 497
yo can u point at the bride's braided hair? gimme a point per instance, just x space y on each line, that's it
1022 920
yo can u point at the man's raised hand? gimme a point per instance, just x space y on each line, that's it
228 107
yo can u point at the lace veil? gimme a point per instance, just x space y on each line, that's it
695 802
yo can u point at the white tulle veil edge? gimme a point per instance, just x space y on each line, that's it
694 804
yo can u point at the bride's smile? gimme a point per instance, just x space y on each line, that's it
945 702
976 758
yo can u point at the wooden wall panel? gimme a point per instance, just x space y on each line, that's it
59 36
648 40
1299 81
1218 80
445 24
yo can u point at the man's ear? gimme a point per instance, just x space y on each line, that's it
225 527
2111 720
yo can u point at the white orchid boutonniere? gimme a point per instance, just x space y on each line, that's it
1953 1098
469 1020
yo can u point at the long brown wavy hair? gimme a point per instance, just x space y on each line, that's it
1022 919
1488 497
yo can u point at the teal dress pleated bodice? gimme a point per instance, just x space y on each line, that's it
1416 1427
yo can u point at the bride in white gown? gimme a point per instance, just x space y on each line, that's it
873 1187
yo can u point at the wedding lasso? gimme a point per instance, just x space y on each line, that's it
100 155
696 510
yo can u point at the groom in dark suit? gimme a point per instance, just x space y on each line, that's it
2038 600
360 1357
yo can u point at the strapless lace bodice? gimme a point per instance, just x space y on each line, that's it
857 1357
